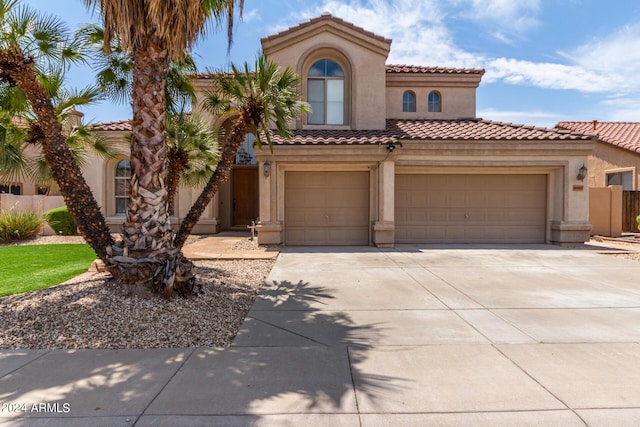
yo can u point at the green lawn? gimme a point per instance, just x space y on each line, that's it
31 267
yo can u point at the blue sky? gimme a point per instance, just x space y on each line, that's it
546 60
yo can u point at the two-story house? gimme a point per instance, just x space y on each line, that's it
390 154
394 154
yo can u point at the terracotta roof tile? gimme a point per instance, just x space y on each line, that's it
324 17
419 69
119 125
463 129
625 135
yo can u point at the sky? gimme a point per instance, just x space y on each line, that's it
546 60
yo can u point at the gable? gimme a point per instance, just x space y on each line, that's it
326 24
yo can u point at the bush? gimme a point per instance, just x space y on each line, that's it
61 221
19 225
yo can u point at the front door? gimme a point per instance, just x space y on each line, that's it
245 195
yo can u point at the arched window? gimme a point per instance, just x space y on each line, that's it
435 105
123 173
325 93
408 102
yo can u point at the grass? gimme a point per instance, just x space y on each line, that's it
31 267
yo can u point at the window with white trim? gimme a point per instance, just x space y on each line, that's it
325 93
624 178
122 176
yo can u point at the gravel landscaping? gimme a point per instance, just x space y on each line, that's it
91 312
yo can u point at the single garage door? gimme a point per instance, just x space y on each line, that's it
470 208
327 208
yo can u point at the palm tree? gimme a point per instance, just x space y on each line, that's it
155 32
33 46
193 149
259 100
22 130
193 153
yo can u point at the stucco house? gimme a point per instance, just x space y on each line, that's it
615 159
390 154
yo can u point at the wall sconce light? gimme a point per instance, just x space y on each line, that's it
582 173
266 169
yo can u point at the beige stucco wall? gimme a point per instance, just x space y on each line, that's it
457 96
608 158
605 210
567 204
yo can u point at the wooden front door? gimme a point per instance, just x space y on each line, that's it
245 196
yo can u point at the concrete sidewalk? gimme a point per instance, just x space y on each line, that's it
221 246
417 335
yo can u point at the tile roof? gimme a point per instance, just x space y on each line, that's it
625 135
401 69
396 130
419 69
462 129
324 17
119 125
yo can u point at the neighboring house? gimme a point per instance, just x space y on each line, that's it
615 159
390 154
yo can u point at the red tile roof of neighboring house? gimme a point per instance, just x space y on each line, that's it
625 135
324 17
463 129
119 125
419 69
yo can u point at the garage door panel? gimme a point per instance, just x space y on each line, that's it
327 208
470 208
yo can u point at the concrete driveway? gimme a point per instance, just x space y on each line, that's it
446 335
416 335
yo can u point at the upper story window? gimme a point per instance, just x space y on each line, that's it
435 104
325 93
123 173
409 102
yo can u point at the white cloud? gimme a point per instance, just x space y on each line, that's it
550 76
539 118
251 16
418 28
419 37
504 19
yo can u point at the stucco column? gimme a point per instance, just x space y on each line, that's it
269 230
574 227
384 227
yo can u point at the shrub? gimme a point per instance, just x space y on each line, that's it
19 225
61 221
638 221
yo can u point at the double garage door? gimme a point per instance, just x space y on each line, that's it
332 208
470 208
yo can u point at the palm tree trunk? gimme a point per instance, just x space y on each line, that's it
233 141
146 258
65 171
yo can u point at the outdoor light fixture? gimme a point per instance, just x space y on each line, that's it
582 173
266 169
391 146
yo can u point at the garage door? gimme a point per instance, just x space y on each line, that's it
327 208
470 208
